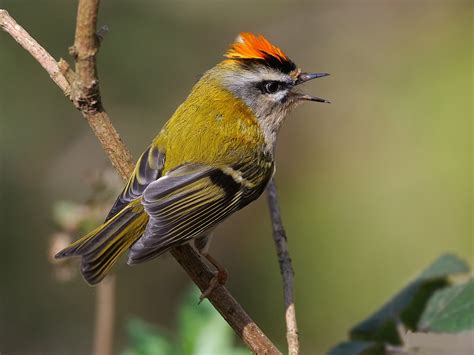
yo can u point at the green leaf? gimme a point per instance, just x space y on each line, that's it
202 329
358 348
445 265
450 310
408 305
146 340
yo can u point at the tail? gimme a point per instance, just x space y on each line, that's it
101 248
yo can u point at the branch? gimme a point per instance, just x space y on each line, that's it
9 25
92 110
286 270
105 315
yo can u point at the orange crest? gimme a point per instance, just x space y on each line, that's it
250 46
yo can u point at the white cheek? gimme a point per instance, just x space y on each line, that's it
279 96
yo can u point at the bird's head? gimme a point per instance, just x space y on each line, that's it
262 76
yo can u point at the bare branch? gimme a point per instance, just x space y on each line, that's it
86 97
9 25
286 270
99 121
104 317
85 94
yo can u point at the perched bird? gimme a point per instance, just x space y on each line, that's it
214 156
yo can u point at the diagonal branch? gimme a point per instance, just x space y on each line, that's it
286 270
121 159
9 25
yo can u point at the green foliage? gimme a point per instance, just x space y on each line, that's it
427 303
445 265
201 331
450 310
146 340
409 303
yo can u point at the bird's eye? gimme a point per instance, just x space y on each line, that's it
271 87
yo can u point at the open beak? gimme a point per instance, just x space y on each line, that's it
304 77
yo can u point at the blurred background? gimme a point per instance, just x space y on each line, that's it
373 187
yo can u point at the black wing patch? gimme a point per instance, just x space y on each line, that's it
185 204
149 168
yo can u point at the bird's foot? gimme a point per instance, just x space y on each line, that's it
219 279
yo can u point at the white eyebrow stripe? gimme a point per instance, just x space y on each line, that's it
262 74
273 76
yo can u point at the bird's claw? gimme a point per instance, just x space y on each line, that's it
219 279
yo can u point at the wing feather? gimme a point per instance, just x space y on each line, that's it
185 204
149 167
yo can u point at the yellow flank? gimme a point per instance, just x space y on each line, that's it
210 111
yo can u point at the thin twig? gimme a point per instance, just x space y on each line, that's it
9 25
104 317
286 270
120 157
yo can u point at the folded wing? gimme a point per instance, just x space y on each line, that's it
187 203
149 167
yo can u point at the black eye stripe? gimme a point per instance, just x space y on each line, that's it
271 86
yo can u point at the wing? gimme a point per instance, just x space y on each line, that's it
149 167
188 202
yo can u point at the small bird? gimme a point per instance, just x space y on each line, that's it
214 156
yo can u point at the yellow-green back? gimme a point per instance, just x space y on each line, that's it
210 111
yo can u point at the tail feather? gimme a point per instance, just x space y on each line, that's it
101 248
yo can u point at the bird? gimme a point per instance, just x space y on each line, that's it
214 156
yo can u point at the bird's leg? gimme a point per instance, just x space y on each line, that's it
220 278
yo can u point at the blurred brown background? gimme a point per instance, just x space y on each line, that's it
373 187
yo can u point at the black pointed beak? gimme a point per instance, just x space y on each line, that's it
304 77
